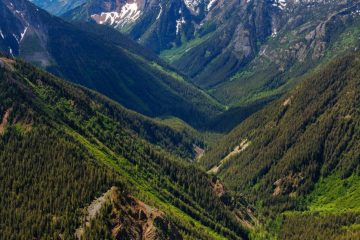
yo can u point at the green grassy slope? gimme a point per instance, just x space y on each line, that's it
63 145
302 153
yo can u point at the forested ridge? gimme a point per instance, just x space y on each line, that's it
297 150
63 145
244 123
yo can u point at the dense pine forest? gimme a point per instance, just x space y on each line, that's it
179 120
63 145
300 156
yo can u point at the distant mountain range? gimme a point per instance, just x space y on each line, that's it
181 119
245 51
104 60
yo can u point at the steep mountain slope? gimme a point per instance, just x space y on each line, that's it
259 47
129 218
158 24
244 51
63 145
58 7
301 152
223 30
307 35
111 64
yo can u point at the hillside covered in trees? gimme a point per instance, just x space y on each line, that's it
300 156
180 120
62 146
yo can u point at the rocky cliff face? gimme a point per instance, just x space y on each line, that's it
22 28
130 218
244 50
242 31
137 220
224 37
128 72
156 23
220 36
303 35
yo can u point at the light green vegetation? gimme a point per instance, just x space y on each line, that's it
176 53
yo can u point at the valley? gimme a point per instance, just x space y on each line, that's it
245 51
183 119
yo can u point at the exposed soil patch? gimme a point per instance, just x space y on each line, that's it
199 152
243 212
4 121
287 102
6 63
238 149
288 185
218 188
130 218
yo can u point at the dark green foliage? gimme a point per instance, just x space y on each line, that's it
110 67
45 179
76 137
99 116
45 175
100 226
104 60
320 226
310 133
228 120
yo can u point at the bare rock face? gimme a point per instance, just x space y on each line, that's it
242 211
118 14
225 35
130 218
311 37
5 120
158 24
22 32
137 220
288 185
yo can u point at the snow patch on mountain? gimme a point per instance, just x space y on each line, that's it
16 38
160 12
211 4
23 33
193 5
280 4
11 52
128 14
283 4
179 24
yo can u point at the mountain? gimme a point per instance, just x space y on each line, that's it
104 60
308 34
245 51
74 163
156 23
298 158
58 7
